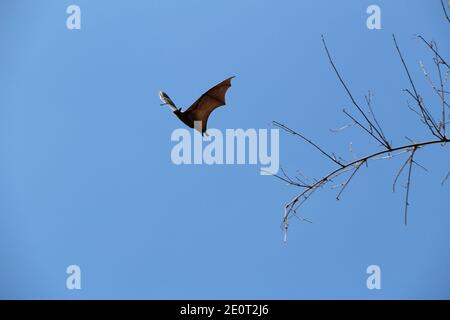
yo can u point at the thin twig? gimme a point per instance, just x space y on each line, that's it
349 179
287 129
362 127
408 184
446 177
445 11
416 94
400 172
369 105
288 180
442 94
385 143
425 117
434 50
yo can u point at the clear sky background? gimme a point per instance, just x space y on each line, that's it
86 176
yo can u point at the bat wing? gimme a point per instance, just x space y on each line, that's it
208 102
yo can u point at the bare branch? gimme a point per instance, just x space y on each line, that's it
373 128
304 195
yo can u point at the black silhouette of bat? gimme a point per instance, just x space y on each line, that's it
196 116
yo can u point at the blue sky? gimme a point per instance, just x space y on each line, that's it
86 176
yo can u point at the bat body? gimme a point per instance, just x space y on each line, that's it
201 109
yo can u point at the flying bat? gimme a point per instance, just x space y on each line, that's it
200 110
